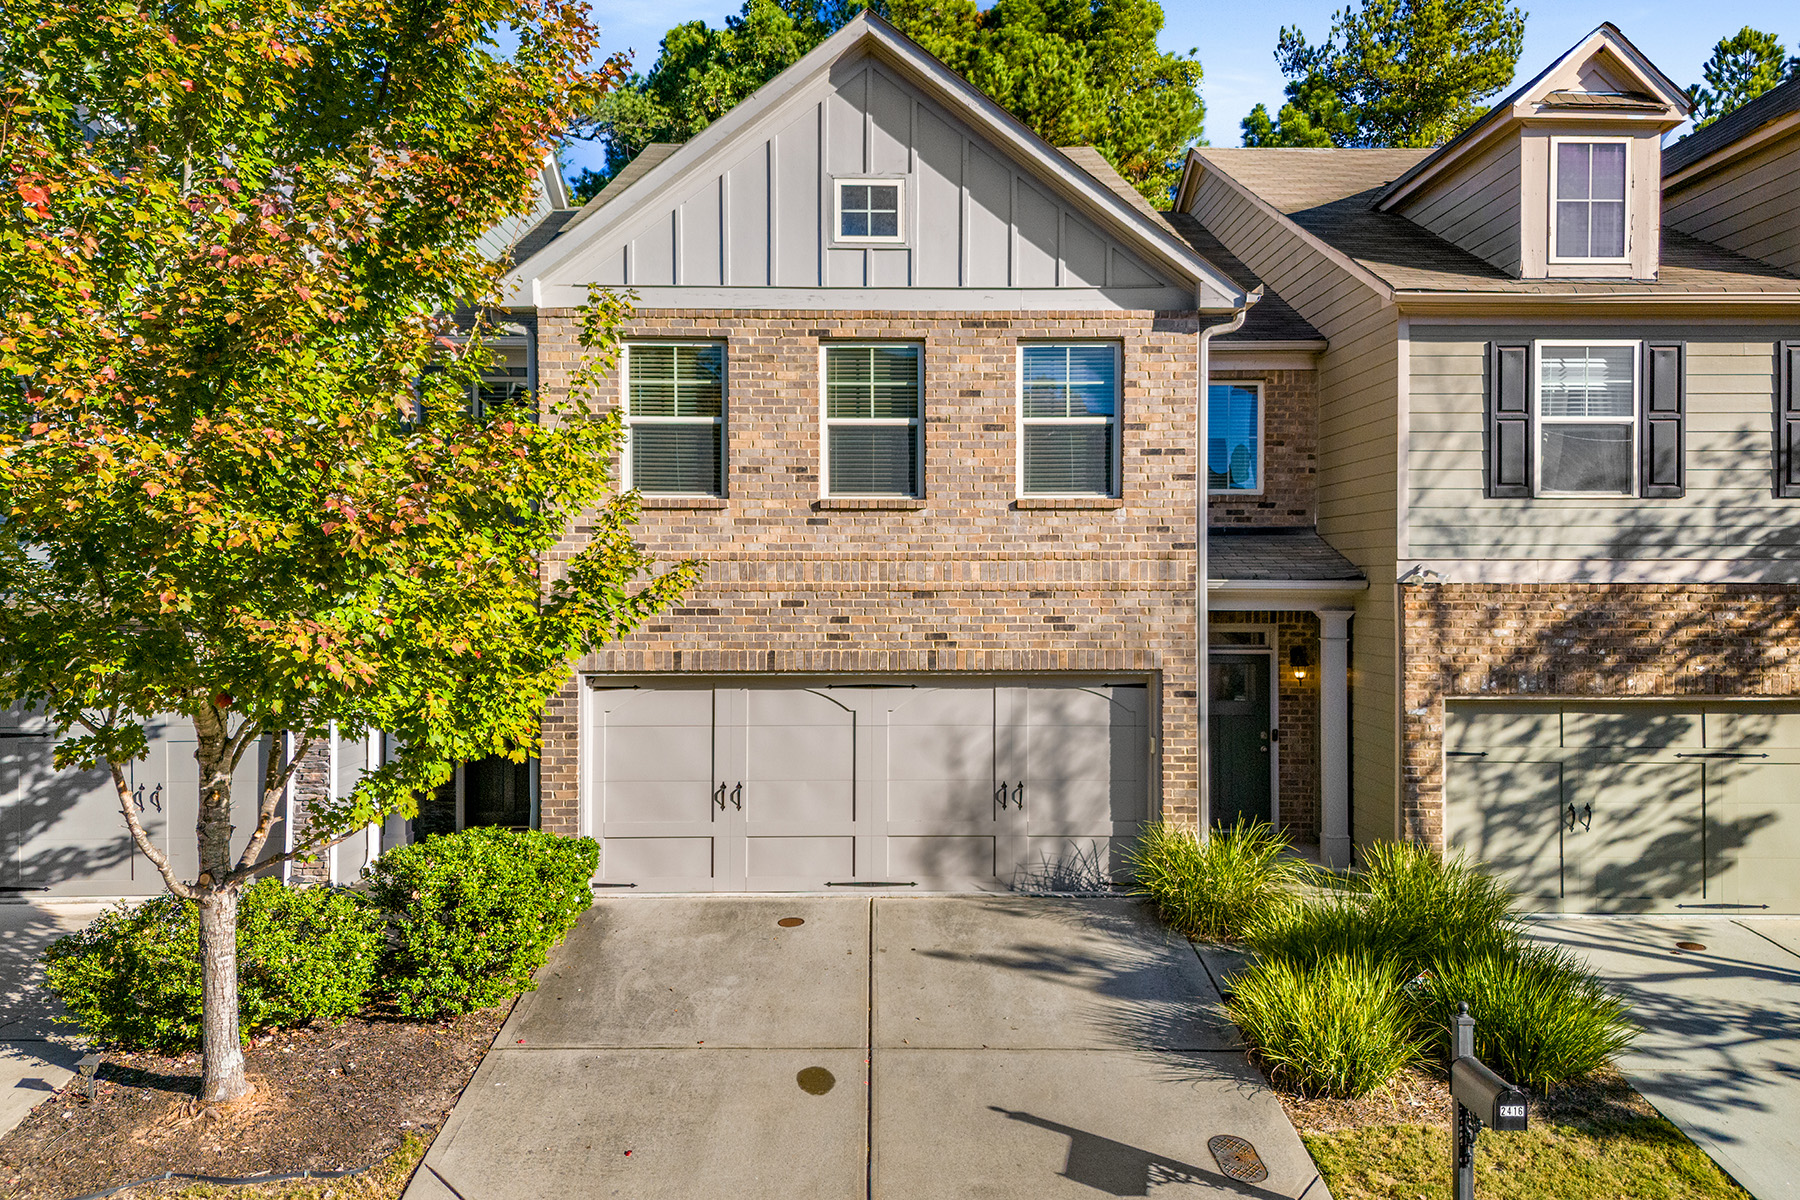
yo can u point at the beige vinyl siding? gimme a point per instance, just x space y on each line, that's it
1727 514
1358 432
1752 206
1478 207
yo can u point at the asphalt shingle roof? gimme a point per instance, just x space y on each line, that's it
1271 554
1776 102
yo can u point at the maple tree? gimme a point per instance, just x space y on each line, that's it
241 479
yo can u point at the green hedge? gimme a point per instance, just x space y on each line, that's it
471 915
131 979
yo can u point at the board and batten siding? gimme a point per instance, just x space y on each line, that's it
1478 207
1752 206
765 218
1358 376
1727 515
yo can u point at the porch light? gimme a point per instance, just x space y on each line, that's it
1299 659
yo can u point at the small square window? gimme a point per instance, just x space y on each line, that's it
869 210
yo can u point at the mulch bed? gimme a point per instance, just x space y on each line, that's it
325 1098
1417 1097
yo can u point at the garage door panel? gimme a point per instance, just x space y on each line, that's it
63 827
1753 833
1632 727
957 804
941 753
658 753
1752 729
627 708
1074 863
942 857
1508 816
1639 832
965 707
798 859
653 861
1498 729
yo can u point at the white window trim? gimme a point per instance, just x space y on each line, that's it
839 237
630 421
1117 421
1538 420
1261 439
826 421
1588 141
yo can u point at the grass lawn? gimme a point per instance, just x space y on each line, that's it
1598 1140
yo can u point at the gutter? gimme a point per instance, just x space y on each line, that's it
1202 765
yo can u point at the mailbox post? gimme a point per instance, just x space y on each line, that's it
1479 1097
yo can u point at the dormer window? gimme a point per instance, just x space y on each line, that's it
1587 200
868 210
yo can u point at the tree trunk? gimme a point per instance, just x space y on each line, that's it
222 1054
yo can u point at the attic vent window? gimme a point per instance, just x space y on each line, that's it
868 210
1588 198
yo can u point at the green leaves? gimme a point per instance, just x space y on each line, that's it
1742 67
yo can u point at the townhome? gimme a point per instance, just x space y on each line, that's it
1557 433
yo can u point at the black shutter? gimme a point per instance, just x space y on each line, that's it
1509 421
1662 441
1787 419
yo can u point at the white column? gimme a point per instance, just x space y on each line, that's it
1334 737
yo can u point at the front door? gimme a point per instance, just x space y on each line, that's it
1241 754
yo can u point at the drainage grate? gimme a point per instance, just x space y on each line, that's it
1238 1158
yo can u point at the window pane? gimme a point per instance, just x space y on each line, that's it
1609 171
1586 381
1572 171
1587 458
873 460
676 459
652 371
1572 229
856 224
1608 233
1068 460
856 195
1091 388
883 197
884 224
1045 381
894 372
1069 381
1234 431
497 791
847 380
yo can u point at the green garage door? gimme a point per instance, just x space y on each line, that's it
1646 806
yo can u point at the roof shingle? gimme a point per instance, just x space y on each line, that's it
1299 555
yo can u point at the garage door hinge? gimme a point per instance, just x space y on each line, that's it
1720 754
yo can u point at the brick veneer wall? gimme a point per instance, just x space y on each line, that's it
973 581
311 784
1579 640
1290 454
1297 717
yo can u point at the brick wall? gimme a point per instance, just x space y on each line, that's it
1297 717
972 580
1289 495
1564 640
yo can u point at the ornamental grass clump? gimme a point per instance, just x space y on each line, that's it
1336 1026
1540 1019
1420 906
1213 888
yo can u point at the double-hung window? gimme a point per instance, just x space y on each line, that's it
505 383
1588 200
1069 419
1587 416
1234 438
675 418
872 426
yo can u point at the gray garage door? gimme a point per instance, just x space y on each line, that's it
1631 806
61 832
803 788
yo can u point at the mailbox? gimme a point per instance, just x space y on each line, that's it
1496 1103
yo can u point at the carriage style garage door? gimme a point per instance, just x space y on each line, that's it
800 788
1657 805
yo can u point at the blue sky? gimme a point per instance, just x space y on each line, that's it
1236 40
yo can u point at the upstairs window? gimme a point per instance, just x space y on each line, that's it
1234 438
872 405
675 418
1588 200
1587 419
1069 419
868 210
505 383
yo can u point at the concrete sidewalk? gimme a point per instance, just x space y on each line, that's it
1720 1052
968 1048
37 1057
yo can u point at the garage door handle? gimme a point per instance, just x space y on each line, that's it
737 796
1586 816
1019 795
1000 793
719 797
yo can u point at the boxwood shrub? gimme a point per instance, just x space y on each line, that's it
471 915
131 979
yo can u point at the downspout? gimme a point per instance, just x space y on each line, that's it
1202 754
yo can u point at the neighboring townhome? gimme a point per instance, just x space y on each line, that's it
1559 429
921 392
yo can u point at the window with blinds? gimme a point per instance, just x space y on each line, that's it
872 406
675 418
1069 419
1234 437
1587 419
505 382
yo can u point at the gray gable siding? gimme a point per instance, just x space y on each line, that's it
1752 206
1478 208
973 219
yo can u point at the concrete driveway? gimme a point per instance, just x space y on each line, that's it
37 1057
968 1048
1720 1053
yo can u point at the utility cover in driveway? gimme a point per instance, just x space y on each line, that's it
782 788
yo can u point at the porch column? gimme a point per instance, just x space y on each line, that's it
1334 737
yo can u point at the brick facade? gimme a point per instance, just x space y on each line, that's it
970 579
1617 641
1290 489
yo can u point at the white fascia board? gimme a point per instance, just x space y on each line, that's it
867 31
1256 595
899 299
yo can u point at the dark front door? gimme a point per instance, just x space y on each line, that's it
1239 718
